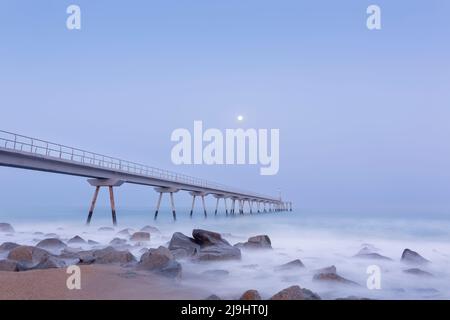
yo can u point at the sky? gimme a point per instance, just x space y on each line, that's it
363 115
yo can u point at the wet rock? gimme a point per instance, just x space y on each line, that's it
219 253
51 243
372 256
182 246
76 240
213 298
150 229
208 238
296 293
9 265
27 254
8 246
117 242
213 247
50 262
160 261
418 272
110 255
251 295
93 243
106 229
6 228
330 275
140 237
258 242
413 257
216 274
293 265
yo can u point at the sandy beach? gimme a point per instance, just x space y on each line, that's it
98 282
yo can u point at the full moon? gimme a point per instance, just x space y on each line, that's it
240 118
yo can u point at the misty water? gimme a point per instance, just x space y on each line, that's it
319 241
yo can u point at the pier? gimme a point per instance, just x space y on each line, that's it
107 172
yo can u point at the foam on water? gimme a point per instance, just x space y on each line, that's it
318 241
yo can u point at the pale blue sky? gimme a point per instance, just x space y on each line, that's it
364 115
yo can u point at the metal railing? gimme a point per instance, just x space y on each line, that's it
20 143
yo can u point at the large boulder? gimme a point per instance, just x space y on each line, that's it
296 293
330 275
418 272
125 232
51 244
183 246
140 237
76 240
50 262
213 247
372 256
6 227
160 261
293 265
9 265
413 257
110 255
8 246
251 295
258 242
117 242
27 254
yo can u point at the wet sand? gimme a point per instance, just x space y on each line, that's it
98 282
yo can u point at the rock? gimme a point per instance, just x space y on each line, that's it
372 256
331 269
418 272
258 242
9 265
160 261
295 293
353 298
332 277
219 253
410 256
293 265
110 255
93 243
125 232
251 295
213 247
150 229
51 243
76 240
140 237
213 298
27 254
182 246
38 233
216 274
6 227
118 242
207 238
50 262
8 246
106 229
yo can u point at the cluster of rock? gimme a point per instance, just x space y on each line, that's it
291 293
203 246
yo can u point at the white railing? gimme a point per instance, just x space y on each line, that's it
20 143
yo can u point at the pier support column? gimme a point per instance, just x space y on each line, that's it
226 206
250 203
158 205
204 207
174 213
171 191
98 183
217 206
94 201
259 206
233 206
193 204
